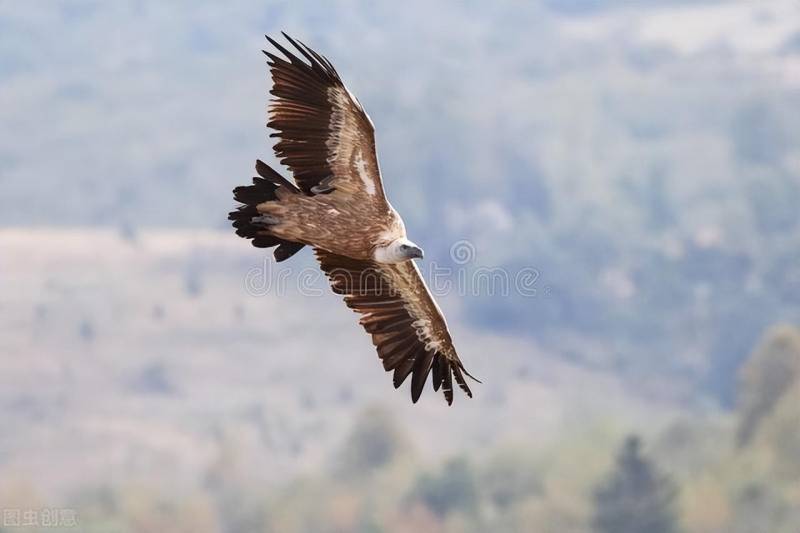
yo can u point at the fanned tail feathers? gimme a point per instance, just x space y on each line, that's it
250 196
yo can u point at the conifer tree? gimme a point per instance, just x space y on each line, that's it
635 498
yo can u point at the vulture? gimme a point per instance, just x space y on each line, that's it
336 204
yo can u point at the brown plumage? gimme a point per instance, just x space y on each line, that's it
339 207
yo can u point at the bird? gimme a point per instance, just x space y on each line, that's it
337 205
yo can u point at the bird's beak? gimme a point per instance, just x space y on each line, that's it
416 253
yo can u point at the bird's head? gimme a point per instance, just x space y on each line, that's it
397 251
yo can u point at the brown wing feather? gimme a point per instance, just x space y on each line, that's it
326 138
406 325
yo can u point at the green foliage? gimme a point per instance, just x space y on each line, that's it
510 477
760 507
768 374
781 434
380 488
635 498
374 442
452 489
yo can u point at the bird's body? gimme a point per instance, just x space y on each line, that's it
338 206
335 222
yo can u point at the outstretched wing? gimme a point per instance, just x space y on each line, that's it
326 138
406 325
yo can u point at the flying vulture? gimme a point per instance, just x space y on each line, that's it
337 205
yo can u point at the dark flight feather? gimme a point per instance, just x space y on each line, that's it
316 119
387 316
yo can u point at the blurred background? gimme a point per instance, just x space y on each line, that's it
642 157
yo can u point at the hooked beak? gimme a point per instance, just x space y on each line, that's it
415 253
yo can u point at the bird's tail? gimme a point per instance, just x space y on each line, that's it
249 222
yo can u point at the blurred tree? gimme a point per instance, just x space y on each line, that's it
237 503
158 312
510 477
193 283
128 232
651 195
345 394
736 328
773 197
759 506
792 44
86 330
758 133
453 488
769 372
635 498
780 433
368 522
193 273
153 379
783 277
375 441
145 508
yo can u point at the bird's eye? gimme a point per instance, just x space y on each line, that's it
404 247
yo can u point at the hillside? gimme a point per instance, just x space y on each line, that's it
145 356
642 156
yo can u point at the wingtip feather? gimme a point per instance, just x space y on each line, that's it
422 367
